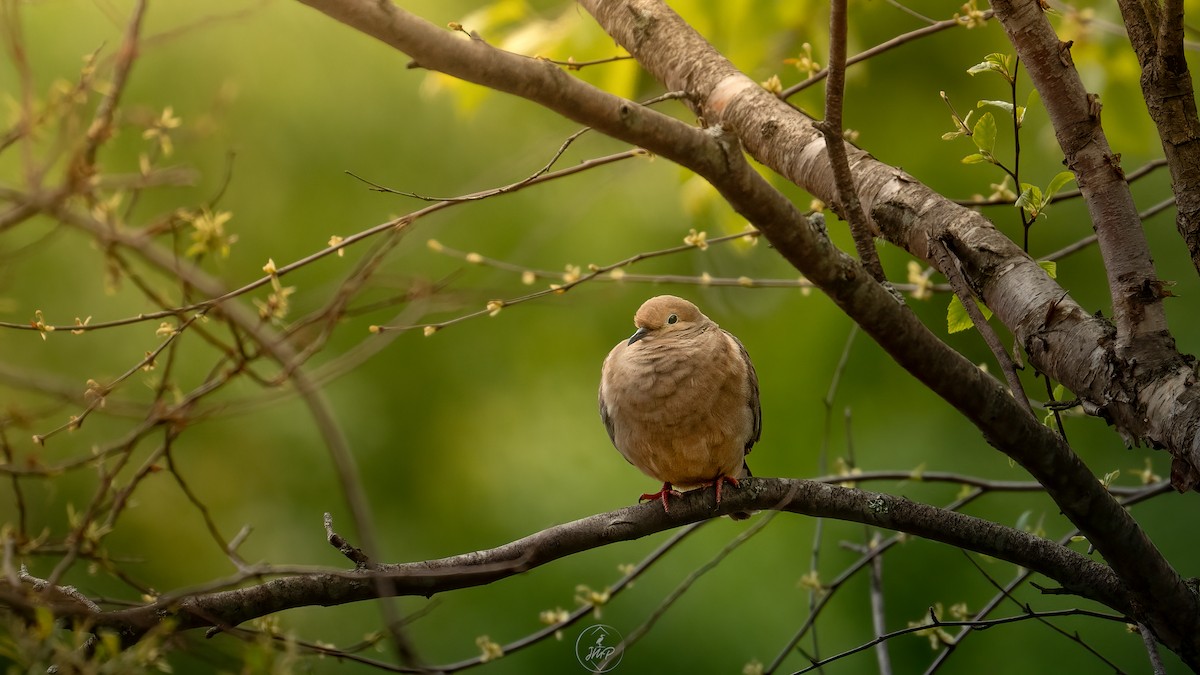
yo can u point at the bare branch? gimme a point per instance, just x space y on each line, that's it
230 608
849 206
1156 34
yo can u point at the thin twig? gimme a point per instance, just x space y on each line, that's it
1151 642
877 50
948 263
987 623
850 208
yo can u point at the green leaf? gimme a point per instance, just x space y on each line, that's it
1057 183
1030 200
974 159
1003 105
1050 266
984 133
957 319
998 63
951 135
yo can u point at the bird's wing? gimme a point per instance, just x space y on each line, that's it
606 418
752 400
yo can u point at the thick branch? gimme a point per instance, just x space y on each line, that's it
222 609
1167 88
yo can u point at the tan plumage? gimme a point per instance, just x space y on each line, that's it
680 398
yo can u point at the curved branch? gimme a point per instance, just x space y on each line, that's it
222 609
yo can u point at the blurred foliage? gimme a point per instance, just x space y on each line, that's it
487 430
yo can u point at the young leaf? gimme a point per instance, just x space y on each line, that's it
1057 183
1030 200
974 159
997 63
1050 266
984 133
1003 105
957 319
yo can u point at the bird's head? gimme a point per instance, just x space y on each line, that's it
667 315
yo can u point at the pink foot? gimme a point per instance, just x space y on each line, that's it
724 479
666 491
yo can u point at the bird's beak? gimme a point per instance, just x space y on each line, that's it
638 335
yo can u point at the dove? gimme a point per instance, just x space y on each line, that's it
679 399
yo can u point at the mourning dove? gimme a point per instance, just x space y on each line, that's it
680 399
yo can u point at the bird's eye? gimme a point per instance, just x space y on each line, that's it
672 319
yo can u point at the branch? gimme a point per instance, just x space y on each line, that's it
232 607
1142 342
935 622
1167 88
949 264
849 206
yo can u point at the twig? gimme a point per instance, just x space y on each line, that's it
1151 642
878 616
988 623
1091 238
623 583
831 589
835 144
1007 593
101 128
572 64
1135 497
691 579
877 50
948 264
356 556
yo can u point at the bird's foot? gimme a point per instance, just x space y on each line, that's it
724 479
662 494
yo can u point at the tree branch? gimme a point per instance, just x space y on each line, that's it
849 206
232 607
1142 340
1170 99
